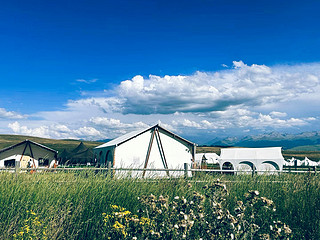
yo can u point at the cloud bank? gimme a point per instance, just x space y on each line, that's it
241 98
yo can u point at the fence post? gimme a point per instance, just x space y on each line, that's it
185 165
315 170
17 167
109 169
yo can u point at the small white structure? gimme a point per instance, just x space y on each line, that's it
198 159
28 154
154 147
211 158
289 162
308 162
25 161
248 159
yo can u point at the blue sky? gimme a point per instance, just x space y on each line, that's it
97 69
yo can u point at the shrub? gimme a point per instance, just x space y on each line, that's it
200 217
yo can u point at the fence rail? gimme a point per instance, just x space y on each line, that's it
186 170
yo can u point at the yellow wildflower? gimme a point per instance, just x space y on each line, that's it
117 225
126 212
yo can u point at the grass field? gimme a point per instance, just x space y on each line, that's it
70 205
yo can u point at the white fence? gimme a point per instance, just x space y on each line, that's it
186 170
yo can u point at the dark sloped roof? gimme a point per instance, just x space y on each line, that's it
31 142
80 148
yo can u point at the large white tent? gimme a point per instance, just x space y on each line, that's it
154 147
247 159
27 153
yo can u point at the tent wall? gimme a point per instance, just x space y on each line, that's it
133 153
261 159
166 151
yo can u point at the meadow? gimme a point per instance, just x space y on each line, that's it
71 205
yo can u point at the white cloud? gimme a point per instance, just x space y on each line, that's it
278 114
4 114
242 98
87 81
114 127
254 85
55 131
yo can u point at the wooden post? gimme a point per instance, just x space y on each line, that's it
148 153
109 169
17 167
185 170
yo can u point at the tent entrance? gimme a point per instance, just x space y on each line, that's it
10 163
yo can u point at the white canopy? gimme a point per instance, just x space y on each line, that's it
212 158
308 162
270 153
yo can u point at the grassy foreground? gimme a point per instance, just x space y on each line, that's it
70 206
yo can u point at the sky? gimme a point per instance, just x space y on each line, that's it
204 69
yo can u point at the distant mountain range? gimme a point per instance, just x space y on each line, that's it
304 141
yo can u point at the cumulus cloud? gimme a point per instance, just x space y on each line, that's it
55 131
4 114
243 97
278 114
255 85
233 118
114 127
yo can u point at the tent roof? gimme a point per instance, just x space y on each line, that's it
31 142
129 136
29 148
271 153
80 148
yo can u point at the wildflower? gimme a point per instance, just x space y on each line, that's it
117 225
126 212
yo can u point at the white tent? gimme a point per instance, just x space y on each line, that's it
198 158
308 162
289 162
247 159
28 153
25 161
154 147
212 158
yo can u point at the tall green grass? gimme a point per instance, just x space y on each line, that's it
70 205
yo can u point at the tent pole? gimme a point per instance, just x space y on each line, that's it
24 150
163 157
34 165
148 153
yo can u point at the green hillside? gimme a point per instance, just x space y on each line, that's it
59 145
307 148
